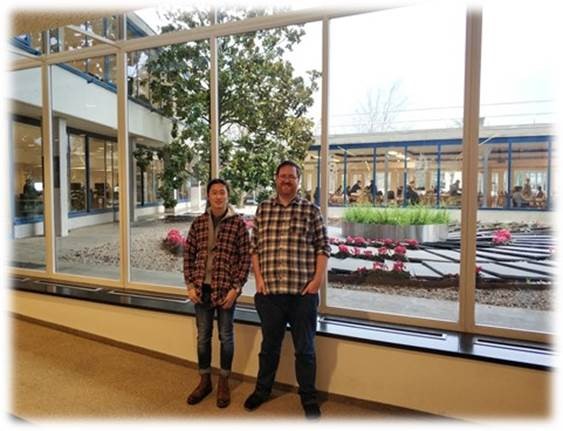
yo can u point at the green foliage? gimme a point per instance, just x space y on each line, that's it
412 215
263 105
177 156
143 157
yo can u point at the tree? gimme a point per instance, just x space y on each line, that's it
263 105
380 109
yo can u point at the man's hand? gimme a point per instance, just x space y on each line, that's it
229 299
261 286
312 287
193 295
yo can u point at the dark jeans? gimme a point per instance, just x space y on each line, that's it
275 312
204 314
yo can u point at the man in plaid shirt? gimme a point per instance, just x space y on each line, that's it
289 251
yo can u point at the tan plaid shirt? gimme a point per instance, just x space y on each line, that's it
287 241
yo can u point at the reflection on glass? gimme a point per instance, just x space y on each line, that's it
516 269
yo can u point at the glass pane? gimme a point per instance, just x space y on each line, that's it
85 146
268 111
26 165
169 141
515 246
396 125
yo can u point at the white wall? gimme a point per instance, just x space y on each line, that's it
74 98
439 384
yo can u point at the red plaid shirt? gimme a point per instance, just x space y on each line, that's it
231 261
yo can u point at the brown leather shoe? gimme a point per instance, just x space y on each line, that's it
203 389
223 392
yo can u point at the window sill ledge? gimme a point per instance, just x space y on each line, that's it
465 346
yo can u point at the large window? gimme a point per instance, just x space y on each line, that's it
398 90
395 126
268 83
87 230
27 190
515 283
170 151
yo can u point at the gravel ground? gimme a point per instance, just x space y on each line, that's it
513 297
147 253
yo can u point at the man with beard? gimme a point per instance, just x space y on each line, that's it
289 252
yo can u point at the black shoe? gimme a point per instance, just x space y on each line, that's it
312 411
253 402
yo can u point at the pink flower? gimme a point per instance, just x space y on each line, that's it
359 240
412 243
174 241
368 253
399 266
502 236
382 251
388 242
378 266
343 249
357 251
400 250
174 238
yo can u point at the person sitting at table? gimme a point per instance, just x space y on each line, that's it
356 187
379 197
411 195
455 189
539 198
518 199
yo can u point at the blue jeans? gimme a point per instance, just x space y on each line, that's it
275 312
204 314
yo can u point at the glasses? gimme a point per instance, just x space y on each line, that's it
288 177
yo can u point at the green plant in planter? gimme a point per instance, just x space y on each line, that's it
402 216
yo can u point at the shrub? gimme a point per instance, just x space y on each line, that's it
412 215
174 242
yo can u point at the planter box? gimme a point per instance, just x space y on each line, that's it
422 233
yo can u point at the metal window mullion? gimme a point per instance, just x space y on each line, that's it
324 150
245 26
46 136
405 181
374 176
469 168
508 195
548 179
123 170
214 102
438 174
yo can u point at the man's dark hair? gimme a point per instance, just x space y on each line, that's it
289 163
218 181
